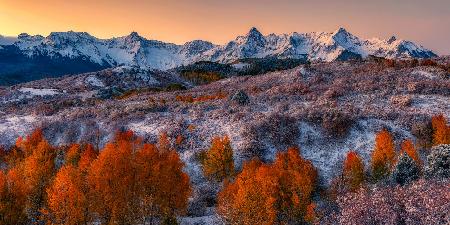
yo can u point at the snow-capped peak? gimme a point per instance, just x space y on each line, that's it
254 37
136 50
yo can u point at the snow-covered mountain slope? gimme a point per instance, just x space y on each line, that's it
7 40
135 50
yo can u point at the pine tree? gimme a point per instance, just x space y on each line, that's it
406 170
438 162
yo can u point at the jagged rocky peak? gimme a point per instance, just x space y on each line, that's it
70 37
134 49
342 34
196 47
133 37
255 35
27 37
391 39
341 31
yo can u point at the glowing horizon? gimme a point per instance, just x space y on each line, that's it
425 23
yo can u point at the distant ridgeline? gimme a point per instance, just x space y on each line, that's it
35 57
16 67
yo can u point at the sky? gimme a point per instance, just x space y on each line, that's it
426 22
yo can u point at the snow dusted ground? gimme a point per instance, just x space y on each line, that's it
367 95
13 126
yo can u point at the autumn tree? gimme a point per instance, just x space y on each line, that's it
163 187
277 193
296 178
408 148
250 198
131 182
13 197
383 155
164 142
441 132
218 162
353 171
67 198
111 180
39 169
29 143
14 156
3 196
87 157
73 154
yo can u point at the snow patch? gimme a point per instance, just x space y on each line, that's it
425 74
94 81
13 127
39 92
241 66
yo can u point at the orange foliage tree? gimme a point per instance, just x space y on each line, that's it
353 171
67 198
408 148
128 173
27 178
218 163
13 197
164 142
250 199
270 194
383 155
73 154
39 169
87 157
30 142
441 132
111 180
163 187
296 182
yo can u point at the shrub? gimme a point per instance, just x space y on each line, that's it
336 123
421 202
438 162
423 131
428 62
278 131
240 97
401 100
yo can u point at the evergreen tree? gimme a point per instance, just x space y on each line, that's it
406 170
438 162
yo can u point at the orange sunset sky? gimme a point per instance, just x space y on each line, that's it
425 22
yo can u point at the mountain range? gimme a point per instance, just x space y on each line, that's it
34 57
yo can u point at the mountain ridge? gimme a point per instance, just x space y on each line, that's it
71 49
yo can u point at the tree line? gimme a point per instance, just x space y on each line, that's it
130 181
